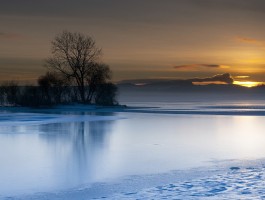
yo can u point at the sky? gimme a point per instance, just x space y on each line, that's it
140 39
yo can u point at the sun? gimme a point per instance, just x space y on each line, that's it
248 84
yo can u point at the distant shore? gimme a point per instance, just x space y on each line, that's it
248 110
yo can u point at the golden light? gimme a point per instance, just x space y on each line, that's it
242 77
253 61
247 83
209 83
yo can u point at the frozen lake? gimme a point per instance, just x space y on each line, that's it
54 152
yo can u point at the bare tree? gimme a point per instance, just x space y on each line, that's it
76 56
99 75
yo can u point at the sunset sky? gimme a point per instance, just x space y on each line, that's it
141 39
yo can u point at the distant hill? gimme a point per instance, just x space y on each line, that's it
185 90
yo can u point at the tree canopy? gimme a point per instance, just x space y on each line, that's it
77 58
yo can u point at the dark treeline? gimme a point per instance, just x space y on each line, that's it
74 75
11 94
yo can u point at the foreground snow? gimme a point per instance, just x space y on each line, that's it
239 181
246 183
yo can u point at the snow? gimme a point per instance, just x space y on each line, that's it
245 183
242 180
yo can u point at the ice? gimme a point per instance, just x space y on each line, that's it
168 152
16 119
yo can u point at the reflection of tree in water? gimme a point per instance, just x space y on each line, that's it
90 141
78 147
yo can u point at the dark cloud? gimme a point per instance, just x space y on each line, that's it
200 65
225 78
219 78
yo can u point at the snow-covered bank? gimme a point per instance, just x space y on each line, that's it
178 108
227 180
236 183
11 119
62 109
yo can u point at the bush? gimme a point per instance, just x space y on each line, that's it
105 94
31 97
9 93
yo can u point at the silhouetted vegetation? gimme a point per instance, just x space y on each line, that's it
9 93
54 88
105 94
77 58
75 75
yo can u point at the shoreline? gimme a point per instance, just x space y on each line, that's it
205 110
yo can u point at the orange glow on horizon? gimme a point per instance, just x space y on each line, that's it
209 83
248 84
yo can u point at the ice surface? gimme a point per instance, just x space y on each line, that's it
15 119
150 154
234 108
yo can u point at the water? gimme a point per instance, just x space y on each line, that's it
58 156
